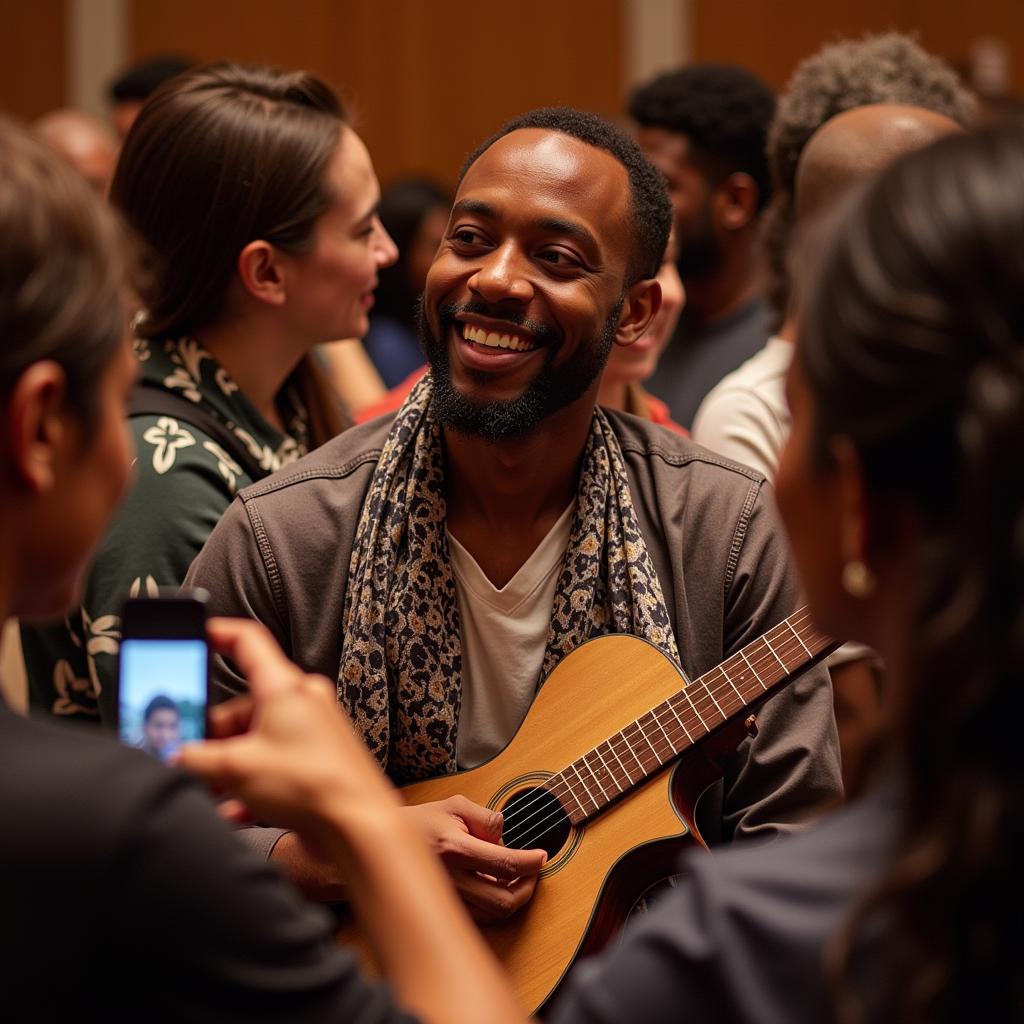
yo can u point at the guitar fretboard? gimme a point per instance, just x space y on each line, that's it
635 753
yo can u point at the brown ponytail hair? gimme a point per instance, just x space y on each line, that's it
218 157
913 348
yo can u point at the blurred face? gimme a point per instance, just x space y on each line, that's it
330 293
691 193
523 299
633 364
163 730
91 475
809 502
424 247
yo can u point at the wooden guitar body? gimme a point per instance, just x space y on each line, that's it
604 773
589 884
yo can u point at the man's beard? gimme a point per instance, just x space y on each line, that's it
550 390
700 252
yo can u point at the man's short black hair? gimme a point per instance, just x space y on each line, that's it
141 80
723 110
650 207
159 703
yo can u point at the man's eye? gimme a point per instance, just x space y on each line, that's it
467 236
558 258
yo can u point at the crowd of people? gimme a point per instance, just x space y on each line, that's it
669 383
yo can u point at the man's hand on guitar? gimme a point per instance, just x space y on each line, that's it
493 880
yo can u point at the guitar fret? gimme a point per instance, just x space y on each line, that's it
721 668
650 744
611 771
710 693
586 790
571 789
671 708
693 708
800 638
586 760
752 669
657 721
768 644
611 747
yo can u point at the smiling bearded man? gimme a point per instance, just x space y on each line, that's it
438 563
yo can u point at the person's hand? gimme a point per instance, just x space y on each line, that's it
493 880
286 751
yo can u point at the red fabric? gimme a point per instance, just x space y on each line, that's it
392 400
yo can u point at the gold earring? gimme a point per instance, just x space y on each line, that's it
858 580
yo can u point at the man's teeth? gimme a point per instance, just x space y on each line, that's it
492 340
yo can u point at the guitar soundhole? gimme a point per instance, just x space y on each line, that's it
534 820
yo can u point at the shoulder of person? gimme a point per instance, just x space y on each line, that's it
677 451
352 451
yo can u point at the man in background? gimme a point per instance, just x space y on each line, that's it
84 141
704 127
137 83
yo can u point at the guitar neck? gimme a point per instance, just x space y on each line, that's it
643 747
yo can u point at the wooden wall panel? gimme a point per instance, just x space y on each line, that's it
426 80
32 57
772 36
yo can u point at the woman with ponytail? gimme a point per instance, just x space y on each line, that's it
257 208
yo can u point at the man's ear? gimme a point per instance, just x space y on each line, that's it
261 270
639 306
736 201
37 426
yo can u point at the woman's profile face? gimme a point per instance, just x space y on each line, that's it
332 293
90 478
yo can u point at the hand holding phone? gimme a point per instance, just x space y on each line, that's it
163 672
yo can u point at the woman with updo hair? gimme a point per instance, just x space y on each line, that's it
257 207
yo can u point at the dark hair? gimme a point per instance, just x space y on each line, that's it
141 80
650 207
218 157
889 68
159 703
724 112
62 270
403 207
913 348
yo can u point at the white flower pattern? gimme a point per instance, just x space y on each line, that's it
229 469
167 437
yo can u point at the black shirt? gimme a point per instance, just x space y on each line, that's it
124 897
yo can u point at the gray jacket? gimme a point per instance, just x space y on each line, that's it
280 554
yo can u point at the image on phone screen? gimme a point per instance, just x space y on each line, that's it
162 693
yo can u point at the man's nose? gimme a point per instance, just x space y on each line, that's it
502 277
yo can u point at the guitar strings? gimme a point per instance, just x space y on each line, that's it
561 780
562 786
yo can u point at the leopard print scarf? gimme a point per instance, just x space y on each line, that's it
401 663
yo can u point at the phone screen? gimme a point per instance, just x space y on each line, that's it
162 701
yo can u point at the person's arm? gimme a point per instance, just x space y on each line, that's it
237 573
741 426
352 373
788 773
288 753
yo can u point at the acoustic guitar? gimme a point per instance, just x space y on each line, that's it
612 808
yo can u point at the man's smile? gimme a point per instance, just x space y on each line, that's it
493 339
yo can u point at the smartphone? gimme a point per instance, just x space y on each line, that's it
163 672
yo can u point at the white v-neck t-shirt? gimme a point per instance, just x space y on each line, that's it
504 635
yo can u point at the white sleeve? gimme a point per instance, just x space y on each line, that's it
737 423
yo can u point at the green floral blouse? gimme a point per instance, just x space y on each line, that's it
184 482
